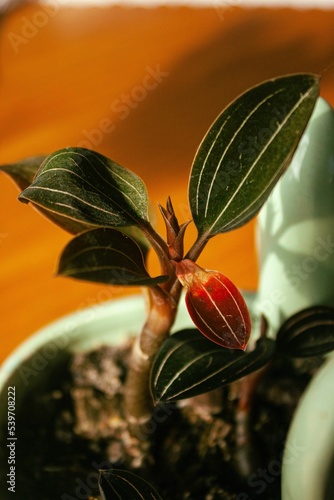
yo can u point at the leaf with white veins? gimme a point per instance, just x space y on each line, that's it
246 150
23 173
86 187
307 333
121 484
106 255
188 365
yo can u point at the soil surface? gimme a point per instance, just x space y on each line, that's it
74 426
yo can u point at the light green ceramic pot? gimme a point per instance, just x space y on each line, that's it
308 461
295 231
108 323
296 250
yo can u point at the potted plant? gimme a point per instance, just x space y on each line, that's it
178 398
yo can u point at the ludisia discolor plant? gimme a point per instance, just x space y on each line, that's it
106 207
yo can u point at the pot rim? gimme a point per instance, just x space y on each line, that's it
69 325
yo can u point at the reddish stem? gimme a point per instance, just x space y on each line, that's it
161 315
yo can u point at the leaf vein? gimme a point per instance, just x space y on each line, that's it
281 125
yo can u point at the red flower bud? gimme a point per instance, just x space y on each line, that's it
215 305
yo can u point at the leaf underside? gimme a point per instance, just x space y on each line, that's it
188 365
88 188
23 172
106 255
120 484
246 150
308 333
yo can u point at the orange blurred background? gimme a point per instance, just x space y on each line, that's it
140 86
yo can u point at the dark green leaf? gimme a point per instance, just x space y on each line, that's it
86 187
136 234
309 332
188 364
246 150
123 485
23 172
106 255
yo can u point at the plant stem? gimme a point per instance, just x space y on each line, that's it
161 315
197 248
174 286
247 455
162 308
160 247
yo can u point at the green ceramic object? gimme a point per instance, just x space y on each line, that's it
108 323
308 461
296 227
296 254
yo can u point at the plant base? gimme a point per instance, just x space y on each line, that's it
74 426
